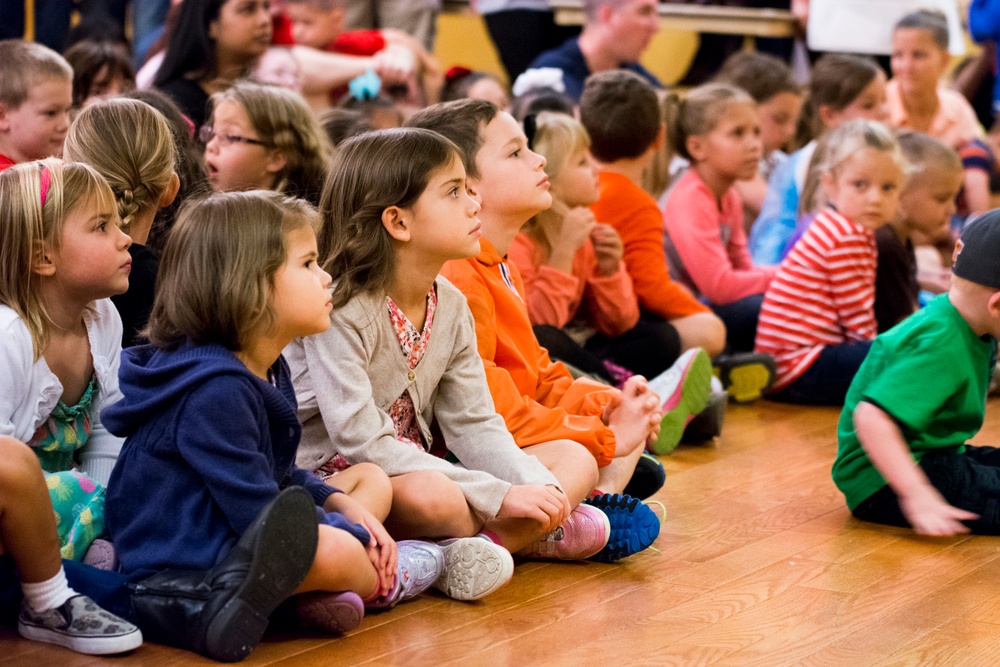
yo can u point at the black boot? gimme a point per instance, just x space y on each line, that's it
222 613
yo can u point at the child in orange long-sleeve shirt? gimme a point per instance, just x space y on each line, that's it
538 399
579 294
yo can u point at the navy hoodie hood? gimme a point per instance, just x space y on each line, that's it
154 380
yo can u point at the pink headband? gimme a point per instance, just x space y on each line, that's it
45 179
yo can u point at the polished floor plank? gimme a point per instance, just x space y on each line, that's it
758 563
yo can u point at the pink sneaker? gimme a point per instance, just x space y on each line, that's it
335 613
101 554
584 534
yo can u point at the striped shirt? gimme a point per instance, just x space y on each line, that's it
823 294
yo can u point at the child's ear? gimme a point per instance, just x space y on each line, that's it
473 186
828 115
993 306
828 183
168 196
661 138
41 262
695 147
396 221
276 161
337 19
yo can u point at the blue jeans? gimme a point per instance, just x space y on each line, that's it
740 318
826 382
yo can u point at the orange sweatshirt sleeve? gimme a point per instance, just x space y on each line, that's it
640 226
551 296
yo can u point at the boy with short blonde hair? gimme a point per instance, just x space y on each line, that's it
36 93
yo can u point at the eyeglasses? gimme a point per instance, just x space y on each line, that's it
206 134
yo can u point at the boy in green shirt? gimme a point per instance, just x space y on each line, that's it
919 396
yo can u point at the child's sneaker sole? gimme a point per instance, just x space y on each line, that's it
648 477
474 567
334 613
634 527
746 376
707 424
689 395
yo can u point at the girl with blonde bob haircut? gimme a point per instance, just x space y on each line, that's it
130 144
265 137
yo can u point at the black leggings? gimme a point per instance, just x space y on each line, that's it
648 348
969 481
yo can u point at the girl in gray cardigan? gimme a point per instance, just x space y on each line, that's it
396 207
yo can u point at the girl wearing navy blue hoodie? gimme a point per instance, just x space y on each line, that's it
209 413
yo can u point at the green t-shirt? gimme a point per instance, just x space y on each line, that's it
930 374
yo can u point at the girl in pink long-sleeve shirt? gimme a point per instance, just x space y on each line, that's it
579 295
718 131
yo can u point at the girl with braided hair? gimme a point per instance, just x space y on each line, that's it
129 143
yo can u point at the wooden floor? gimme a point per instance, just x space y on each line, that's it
758 563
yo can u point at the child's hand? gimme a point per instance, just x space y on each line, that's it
607 247
636 417
381 547
930 514
545 504
576 226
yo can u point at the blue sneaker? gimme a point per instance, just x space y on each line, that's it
634 527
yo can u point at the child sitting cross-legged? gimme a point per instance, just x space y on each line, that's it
538 399
719 132
902 457
400 358
209 412
818 318
580 296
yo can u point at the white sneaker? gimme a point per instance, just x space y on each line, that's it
474 567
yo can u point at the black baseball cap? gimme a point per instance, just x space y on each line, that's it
977 252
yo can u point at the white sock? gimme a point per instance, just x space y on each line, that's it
48 594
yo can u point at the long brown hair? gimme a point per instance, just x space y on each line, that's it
373 171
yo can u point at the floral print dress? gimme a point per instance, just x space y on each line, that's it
77 500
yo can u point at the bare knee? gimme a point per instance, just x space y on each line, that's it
19 467
432 501
368 484
704 330
572 464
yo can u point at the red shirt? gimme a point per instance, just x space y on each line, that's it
5 162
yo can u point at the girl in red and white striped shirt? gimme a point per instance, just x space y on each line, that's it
818 318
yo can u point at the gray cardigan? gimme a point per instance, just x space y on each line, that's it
347 378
